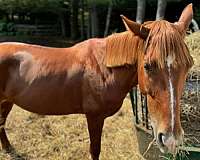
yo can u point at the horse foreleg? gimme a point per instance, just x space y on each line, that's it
95 125
5 108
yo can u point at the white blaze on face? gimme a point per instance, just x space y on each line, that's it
170 61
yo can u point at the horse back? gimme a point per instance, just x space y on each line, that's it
38 77
34 77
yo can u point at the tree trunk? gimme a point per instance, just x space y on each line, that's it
63 24
141 6
82 20
7 17
195 26
89 26
162 4
94 19
12 17
74 19
108 19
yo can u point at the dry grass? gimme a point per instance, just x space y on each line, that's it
193 42
66 138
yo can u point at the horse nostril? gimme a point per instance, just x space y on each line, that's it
161 139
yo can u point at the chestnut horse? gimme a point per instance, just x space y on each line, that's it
93 78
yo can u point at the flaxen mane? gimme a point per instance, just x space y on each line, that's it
163 40
122 49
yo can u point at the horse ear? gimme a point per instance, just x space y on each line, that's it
135 27
185 18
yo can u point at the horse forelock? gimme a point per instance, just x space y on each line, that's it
165 40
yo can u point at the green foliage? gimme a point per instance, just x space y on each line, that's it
7 28
10 27
115 3
99 2
10 6
3 27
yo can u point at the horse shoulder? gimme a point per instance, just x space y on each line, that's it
99 82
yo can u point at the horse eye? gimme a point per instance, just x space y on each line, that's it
148 67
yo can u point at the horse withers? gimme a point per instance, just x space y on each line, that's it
94 76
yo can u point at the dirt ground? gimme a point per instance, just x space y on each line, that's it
66 137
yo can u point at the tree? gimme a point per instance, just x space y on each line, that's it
74 19
82 19
141 6
161 7
94 18
110 6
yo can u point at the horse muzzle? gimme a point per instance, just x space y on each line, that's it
168 143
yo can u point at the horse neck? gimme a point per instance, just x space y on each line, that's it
125 78
119 80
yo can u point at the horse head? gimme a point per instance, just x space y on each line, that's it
162 70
